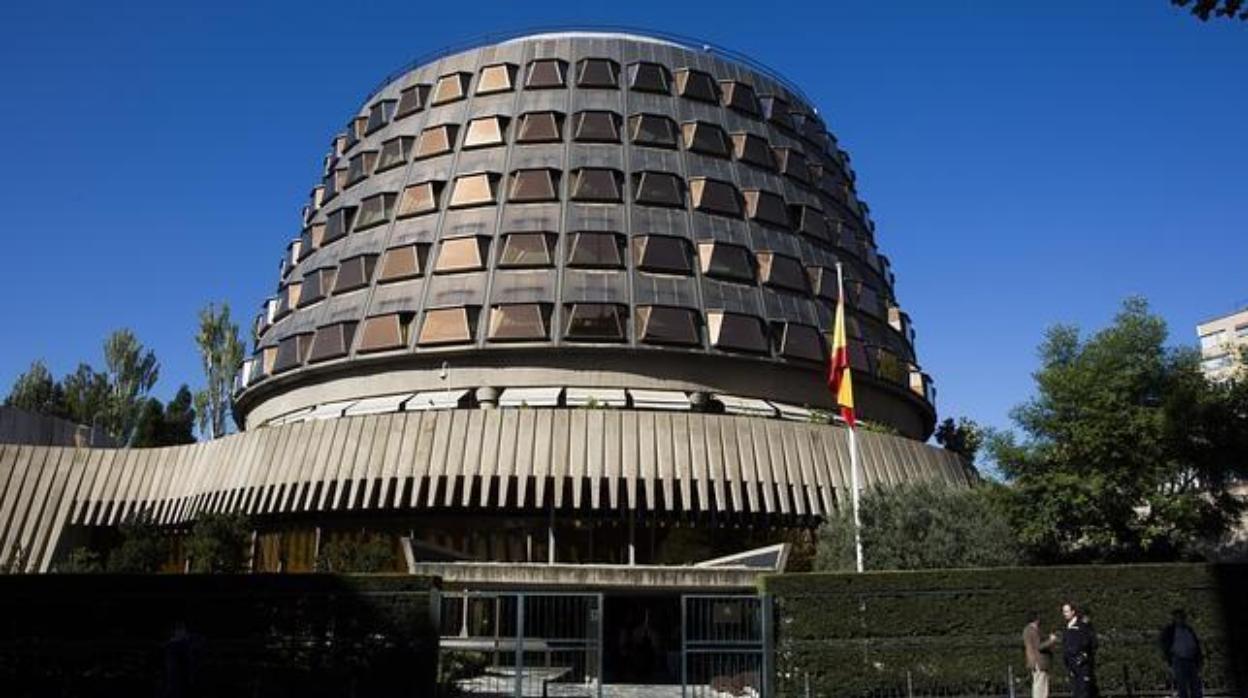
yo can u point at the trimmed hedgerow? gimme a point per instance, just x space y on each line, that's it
960 630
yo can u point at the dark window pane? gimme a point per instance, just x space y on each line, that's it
485 131
736 332
384 333
753 150
776 111
474 190
355 272
447 326
375 210
596 185
529 186
792 163
521 250
650 77
802 342
316 285
338 224
500 77
708 139
602 250
695 84
823 282
436 140
450 88
419 199
658 189
540 127
403 262
462 254
596 127
594 322
652 130
360 166
291 352
714 196
546 73
810 221
740 96
782 271
598 72
395 152
520 322
412 100
332 342
766 207
310 239
379 115
725 261
658 324
661 254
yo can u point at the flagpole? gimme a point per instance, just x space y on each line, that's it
853 449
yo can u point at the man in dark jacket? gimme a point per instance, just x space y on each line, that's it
1181 648
1079 652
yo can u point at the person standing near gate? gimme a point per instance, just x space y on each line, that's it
1039 655
1079 652
1181 648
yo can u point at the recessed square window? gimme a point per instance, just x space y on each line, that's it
753 150
661 324
697 84
332 342
802 342
736 332
361 165
448 326
462 254
316 285
375 210
725 261
480 189
450 88
811 222
385 333
662 254
379 115
714 196
500 77
294 252
653 130
354 272
288 297
540 127
485 132
268 360
338 224
403 262
355 131
782 271
740 96
532 186
823 283
705 138
596 184
596 127
411 100
792 163
766 207
596 250
519 322
395 153
419 199
311 239
649 77
598 73
436 140
594 322
334 183
292 351
546 73
527 251
776 111
658 189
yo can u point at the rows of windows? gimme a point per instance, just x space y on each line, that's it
644 130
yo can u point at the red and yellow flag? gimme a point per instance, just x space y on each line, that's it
840 381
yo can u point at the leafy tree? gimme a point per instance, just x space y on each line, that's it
221 351
143 549
367 552
219 543
36 391
1129 450
179 423
131 371
922 526
81 561
1204 9
964 437
87 398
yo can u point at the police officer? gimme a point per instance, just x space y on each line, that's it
1079 652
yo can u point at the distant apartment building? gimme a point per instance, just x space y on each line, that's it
1222 340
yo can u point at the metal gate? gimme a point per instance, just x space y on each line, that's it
725 645
521 644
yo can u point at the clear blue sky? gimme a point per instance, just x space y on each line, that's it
1027 164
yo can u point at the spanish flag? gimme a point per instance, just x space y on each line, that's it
840 381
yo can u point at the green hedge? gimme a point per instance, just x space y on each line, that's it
960 630
270 635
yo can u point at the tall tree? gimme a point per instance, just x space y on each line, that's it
1128 450
221 352
1226 9
131 371
964 437
36 391
179 424
88 398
